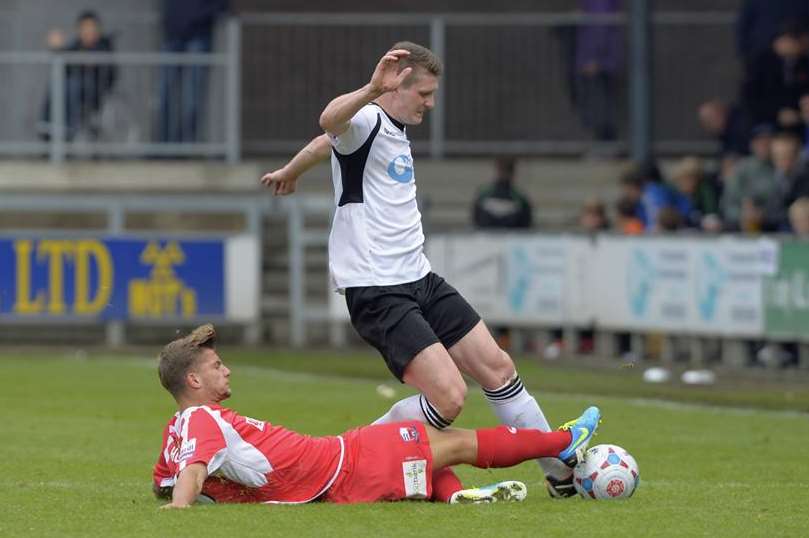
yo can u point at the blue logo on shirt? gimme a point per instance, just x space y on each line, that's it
401 168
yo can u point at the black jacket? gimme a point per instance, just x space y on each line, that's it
502 206
773 84
95 80
189 19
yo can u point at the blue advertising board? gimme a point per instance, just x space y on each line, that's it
112 278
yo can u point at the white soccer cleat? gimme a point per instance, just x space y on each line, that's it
508 491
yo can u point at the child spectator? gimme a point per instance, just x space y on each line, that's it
627 221
701 192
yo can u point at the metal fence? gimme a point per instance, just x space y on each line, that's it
510 84
123 217
79 104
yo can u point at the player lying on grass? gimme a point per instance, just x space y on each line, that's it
213 451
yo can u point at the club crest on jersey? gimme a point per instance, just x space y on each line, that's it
409 433
187 449
401 168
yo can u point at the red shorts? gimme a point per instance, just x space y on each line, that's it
386 462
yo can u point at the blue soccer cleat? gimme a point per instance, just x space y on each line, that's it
508 491
581 431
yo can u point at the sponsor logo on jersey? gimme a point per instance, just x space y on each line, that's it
415 479
392 133
255 423
511 429
187 449
401 168
409 433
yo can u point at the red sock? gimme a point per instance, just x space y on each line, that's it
505 446
445 483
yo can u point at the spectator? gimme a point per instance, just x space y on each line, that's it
627 221
501 205
799 217
803 105
668 220
791 181
759 22
85 85
593 217
701 192
751 180
599 60
777 79
728 124
644 183
592 220
187 27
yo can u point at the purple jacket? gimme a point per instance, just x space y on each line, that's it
600 43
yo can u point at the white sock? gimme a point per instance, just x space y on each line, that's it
415 407
515 407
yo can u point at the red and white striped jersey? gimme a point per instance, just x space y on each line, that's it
259 462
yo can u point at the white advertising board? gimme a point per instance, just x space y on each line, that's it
518 279
672 284
709 286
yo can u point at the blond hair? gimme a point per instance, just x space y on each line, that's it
419 56
799 209
179 356
687 166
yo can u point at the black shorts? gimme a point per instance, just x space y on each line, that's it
402 320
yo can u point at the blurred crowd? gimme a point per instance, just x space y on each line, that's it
758 180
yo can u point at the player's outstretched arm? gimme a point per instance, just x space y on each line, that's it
337 115
284 180
188 486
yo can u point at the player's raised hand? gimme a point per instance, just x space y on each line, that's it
386 78
280 182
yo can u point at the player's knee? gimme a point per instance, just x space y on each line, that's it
502 368
451 401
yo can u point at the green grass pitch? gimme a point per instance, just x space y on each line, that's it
80 436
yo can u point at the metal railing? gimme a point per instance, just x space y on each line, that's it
133 104
116 208
510 84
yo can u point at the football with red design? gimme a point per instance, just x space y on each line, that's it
606 472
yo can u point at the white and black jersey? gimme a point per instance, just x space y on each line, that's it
376 238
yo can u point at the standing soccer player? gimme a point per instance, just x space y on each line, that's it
425 330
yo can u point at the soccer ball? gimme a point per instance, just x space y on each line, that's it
606 472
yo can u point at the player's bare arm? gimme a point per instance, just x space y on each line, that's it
337 115
284 180
188 486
